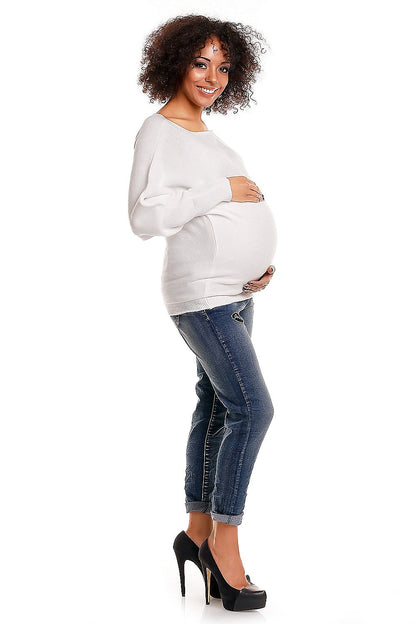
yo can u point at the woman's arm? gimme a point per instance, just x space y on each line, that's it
155 210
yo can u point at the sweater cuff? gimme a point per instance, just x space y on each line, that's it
218 192
229 191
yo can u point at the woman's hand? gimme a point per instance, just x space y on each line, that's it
244 190
256 285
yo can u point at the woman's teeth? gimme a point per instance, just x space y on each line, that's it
209 91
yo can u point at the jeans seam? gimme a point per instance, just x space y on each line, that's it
247 401
206 447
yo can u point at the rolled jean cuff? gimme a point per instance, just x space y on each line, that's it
235 520
202 506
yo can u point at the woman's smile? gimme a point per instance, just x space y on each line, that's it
209 92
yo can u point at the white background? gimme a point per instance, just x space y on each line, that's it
98 386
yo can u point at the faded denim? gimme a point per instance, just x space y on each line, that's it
233 411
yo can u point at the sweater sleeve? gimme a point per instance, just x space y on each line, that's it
155 210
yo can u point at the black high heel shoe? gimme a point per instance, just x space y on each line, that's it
186 549
250 597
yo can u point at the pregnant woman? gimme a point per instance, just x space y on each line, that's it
187 185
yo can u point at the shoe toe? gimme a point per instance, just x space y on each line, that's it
252 589
250 597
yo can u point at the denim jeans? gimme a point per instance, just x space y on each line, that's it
233 411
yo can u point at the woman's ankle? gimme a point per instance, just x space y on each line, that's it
197 537
224 535
200 526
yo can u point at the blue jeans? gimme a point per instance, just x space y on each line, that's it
233 411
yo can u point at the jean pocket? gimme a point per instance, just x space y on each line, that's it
236 316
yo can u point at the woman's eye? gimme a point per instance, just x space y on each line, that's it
199 64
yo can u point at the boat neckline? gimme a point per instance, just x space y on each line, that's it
182 128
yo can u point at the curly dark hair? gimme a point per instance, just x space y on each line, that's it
170 48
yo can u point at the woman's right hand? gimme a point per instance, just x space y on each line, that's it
244 190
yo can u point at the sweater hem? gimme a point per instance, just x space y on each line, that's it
204 303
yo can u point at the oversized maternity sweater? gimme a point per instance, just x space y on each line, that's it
179 189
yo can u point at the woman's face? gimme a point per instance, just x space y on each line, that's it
207 75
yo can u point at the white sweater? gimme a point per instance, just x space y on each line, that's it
179 189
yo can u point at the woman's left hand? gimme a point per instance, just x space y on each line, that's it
255 285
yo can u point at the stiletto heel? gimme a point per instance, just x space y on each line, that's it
186 550
208 574
207 579
249 597
181 566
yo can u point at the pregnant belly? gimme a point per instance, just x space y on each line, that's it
246 240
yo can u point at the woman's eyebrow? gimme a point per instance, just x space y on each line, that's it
209 60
